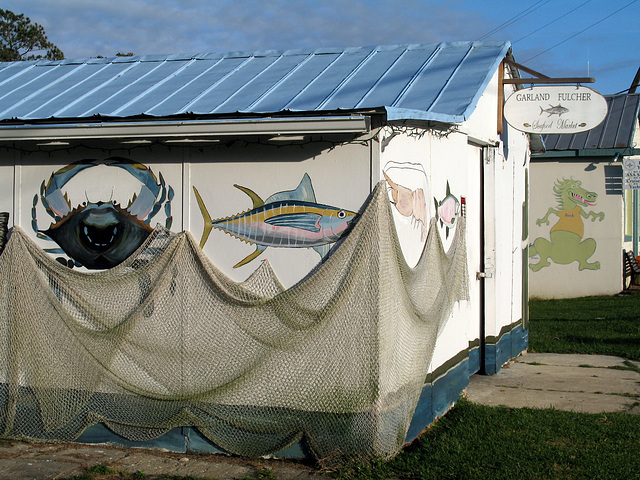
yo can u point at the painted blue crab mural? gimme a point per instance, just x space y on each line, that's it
290 218
100 233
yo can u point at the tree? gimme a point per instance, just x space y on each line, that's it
22 40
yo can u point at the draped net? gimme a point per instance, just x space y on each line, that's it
165 339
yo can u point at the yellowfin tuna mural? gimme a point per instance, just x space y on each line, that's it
286 219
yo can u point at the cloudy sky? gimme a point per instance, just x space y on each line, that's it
560 38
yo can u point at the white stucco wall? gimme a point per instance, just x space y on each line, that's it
506 212
505 170
483 123
340 177
6 183
602 272
458 159
434 162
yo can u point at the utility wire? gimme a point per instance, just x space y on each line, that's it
515 18
552 21
581 31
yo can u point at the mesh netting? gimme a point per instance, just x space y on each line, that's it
4 221
165 339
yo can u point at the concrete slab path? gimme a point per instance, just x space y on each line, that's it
29 461
581 383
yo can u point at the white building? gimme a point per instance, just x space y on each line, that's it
585 169
393 338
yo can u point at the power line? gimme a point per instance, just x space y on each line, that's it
552 21
581 31
515 18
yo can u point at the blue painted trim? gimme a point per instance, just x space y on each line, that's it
173 440
474 359
422 416
438 397
447 389
183 440
198 443
508 346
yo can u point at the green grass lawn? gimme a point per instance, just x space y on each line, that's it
478 442
483 443
595 325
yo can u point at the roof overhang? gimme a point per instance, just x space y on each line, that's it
196 129
586 153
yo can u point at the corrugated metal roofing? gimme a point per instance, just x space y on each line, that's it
441 82
616 131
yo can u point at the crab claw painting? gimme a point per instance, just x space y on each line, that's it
447 209
285 219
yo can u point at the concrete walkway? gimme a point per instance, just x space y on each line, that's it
582 383
23 461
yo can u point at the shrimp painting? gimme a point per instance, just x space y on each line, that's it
409 203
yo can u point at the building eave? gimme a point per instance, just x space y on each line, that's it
584 153
352 124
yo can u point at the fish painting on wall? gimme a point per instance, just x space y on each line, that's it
291 219
447 210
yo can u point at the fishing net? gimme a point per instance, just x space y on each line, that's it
165 339
4 221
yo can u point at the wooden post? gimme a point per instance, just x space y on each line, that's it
500 97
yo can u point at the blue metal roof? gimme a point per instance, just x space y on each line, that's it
440 82
615 132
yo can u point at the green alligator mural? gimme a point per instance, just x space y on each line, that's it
566 245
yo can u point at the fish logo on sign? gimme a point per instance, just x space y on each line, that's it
557 110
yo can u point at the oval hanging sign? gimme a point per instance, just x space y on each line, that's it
555 109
